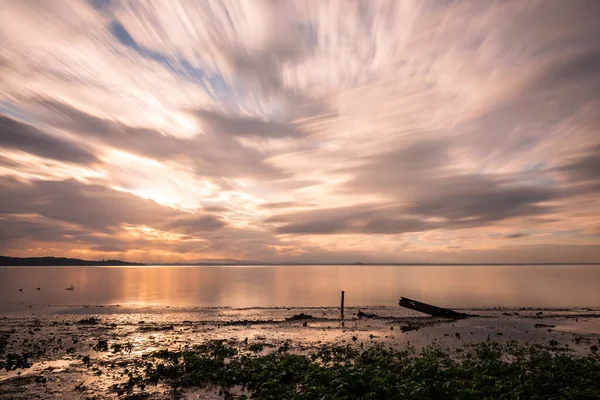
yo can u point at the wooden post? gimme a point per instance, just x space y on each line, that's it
342 305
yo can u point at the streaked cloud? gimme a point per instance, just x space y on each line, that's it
300 130
17 135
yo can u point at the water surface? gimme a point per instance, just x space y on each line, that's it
301 286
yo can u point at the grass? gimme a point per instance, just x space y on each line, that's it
484 371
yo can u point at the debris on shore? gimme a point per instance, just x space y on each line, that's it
361 314
299 317
434 311
89 321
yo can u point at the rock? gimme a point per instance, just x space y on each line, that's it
152 328
361 314
408 328
89 321
299 317
544 326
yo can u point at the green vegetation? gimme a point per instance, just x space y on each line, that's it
486 370
260 370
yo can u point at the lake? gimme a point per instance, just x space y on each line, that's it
549 286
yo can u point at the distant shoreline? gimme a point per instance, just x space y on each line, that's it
75 262
59 262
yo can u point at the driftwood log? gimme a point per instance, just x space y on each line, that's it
431 310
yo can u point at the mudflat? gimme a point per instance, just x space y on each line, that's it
103 351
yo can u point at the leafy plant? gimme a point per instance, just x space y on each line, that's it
486 370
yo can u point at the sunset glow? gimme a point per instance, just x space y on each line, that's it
300 131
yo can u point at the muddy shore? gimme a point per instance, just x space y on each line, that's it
81 352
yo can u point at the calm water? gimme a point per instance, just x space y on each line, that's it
269 286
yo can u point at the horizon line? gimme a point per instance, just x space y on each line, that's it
115 262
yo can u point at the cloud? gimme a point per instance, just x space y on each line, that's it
215 209
282 204
362 219
194 224
315 227
515 235
244 126
110 249
422 178
458 203
69 213
264 66
213 154
415 161
300 130
585 167
19 229
472 200
581 68
92 207
142 141
75 215
24 137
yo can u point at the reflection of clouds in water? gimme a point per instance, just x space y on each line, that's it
190 286
285 286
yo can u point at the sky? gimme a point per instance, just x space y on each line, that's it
301 131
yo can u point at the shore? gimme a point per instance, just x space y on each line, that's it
81 352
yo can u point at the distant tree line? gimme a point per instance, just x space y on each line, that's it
57 261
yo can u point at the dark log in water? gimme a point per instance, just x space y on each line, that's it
429 309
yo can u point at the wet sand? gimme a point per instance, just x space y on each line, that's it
80 352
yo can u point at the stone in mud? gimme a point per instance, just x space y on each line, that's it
361 314
89 321
544 326
299 317
408 328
